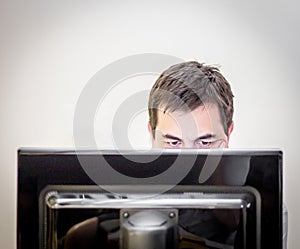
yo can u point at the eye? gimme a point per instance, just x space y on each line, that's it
204 143
174 143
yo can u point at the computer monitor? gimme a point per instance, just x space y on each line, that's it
175 198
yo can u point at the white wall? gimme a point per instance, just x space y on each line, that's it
50 49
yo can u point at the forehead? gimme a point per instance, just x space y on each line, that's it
204 119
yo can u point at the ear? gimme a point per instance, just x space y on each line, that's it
230 129
151 134
150 131
149 128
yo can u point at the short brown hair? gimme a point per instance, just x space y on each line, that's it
188 85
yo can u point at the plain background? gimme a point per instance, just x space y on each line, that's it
50 49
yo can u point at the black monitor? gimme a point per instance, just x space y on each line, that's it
149 199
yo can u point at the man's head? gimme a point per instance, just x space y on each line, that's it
190 105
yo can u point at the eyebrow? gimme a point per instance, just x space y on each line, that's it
206 136
171 137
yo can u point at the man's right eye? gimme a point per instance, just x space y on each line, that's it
174 143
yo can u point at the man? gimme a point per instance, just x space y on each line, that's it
191 106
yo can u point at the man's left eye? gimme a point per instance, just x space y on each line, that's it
204 143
